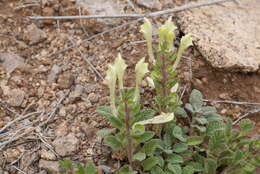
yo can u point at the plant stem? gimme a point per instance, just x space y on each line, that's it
163 82
129 138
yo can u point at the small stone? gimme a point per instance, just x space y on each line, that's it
47 155
150 4
93 98
205 80
51 166
11 155
62 129
223 96
52 77
34 35
65 80
11 61
62 111
78 91
66 145
16 97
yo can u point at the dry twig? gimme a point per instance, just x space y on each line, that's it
246 115
87 60
153 14
231 102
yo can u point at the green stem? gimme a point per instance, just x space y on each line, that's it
128 134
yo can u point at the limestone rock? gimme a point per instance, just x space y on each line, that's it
51 166
102 7
52 77
66 145
151 4
16 97
11 61
227 35
34 35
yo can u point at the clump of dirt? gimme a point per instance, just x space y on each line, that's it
51 99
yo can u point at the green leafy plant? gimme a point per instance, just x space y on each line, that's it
128 119
79 168
192 139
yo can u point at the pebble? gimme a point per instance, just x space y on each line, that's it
93 98
11 61
47 155
33 34
65 80
150 4
51 166
52 77
66 145
16 97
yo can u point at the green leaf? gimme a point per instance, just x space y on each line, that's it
67 164
139 156
214 117
157 170
180 147
174 158
214 126
80 169
246 125
126 169
144 115
189 107
249 167
178 133
201 120
180 111
116 122
188 170
195 140
207 110
104 132
149 163
217 140
228 128
113 142
196 99
105 111
138 130
147 135
150 146
90 168
210 166
175 168
200 128
198 167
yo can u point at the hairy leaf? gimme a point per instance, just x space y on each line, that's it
150 146
195 140
149 163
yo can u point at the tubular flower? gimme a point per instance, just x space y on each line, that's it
120 67
147 30
111 82
166 34
141 69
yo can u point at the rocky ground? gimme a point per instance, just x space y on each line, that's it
48 98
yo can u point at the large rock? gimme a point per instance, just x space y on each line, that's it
11 61
227 35
34 35
103 7
51 166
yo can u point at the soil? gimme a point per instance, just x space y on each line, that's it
47 78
